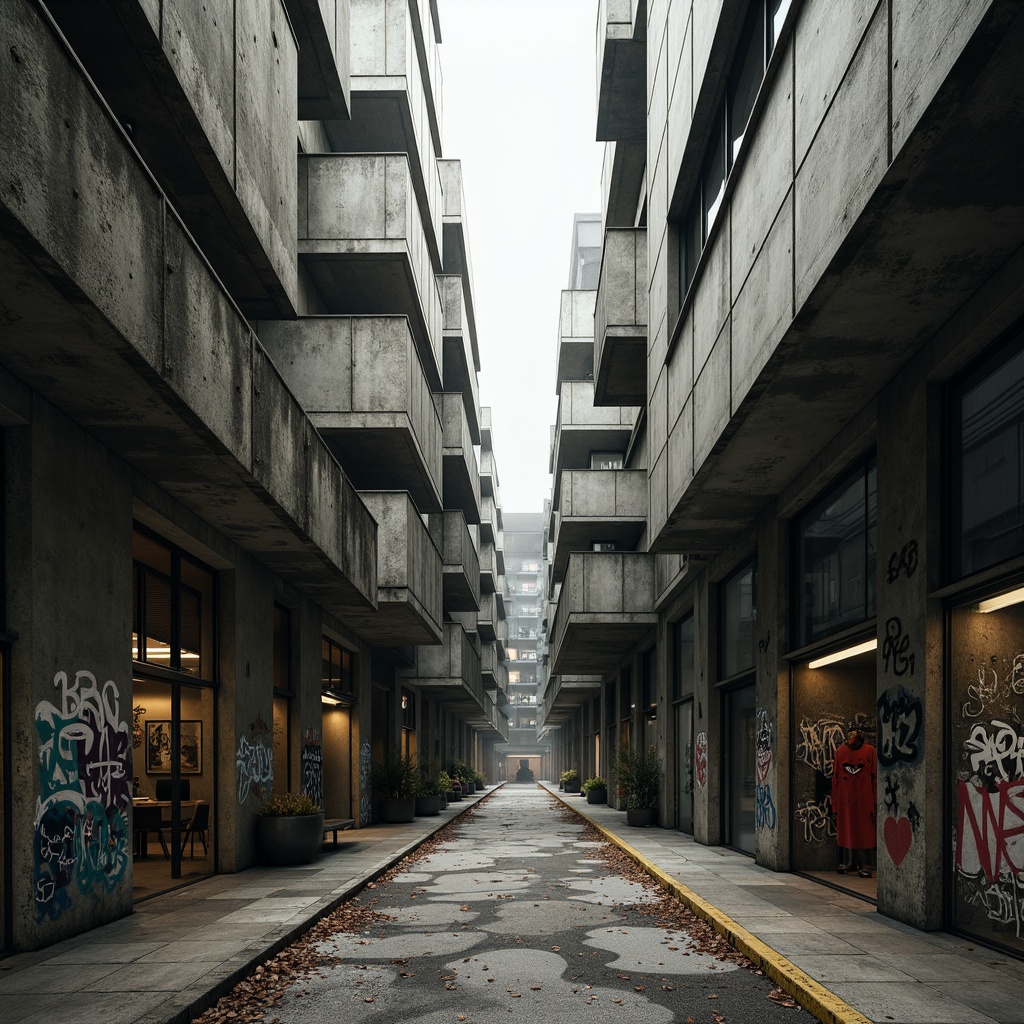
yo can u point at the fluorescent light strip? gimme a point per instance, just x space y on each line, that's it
993 604
325 699
847 652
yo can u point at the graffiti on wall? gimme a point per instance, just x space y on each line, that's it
817 820
903 562
313 766
895 658
900 720
700 759
254 761
819 742
85 771
365 801
764 805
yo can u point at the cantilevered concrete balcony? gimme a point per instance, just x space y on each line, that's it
461 483
489 476
599 506
450 671
393 101
489 529
456 257
620 320
493 668
409 581
565 693
459 370
581 428
575 337
322 30
622 181
460 561
491 625
605 607
362 240
622 69
489 575
361 382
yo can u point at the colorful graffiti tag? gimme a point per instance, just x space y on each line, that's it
85 771
700 759
764 806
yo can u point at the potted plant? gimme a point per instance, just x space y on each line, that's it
571 780
290 829
394 784
479 780
595 789
461 771
638 773
429 800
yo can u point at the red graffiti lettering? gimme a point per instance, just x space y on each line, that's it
990 829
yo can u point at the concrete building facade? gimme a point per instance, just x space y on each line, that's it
242 507
809 316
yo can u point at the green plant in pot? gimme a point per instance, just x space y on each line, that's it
479 781
394 785
443 787
571 780
428 800
290 829
461 771
638 774
595 789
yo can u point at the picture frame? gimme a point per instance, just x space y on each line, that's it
158 747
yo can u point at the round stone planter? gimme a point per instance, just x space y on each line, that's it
597 796
428 806
397 810
642 817
285 840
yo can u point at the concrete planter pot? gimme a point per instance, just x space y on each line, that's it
428 806
642 817
286 840
397 810
573 786
597 796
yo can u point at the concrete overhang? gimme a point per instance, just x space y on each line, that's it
112 314
242 224
457 258
361 382
575 337
460 562
599 506
488 520
566 693
361 239
450 671
622 181
622 69
605 607
461 475
409 585
489 477
488 568
487 618
493 668
458 370
620 320
322 31
947 214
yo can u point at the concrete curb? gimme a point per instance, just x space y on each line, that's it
810 994
246 962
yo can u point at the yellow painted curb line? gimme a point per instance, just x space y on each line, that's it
810 994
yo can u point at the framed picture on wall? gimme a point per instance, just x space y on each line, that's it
158 747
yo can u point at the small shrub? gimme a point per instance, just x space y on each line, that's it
289 805
570 775
595 782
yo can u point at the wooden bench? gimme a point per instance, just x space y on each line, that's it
336 825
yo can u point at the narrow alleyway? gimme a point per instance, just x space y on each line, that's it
517 909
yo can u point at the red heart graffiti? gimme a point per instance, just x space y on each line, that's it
898 837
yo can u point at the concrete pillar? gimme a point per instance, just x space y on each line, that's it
707 725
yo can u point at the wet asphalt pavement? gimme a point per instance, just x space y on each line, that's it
521 913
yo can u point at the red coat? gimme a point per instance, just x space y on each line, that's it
855 796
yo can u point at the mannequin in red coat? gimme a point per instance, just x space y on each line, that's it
854 798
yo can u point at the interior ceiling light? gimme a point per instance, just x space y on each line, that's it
993 604
846 652
326 698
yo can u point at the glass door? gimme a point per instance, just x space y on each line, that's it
684 766
739 768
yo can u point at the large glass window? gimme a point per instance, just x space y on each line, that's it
682 658
836 550
988 462
282 652
748 70
740 769
738 646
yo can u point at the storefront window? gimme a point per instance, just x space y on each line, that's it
988 462
738 622
739 775
282 698
835 542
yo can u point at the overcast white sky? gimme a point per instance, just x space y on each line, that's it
519 112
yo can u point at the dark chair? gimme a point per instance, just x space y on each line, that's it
146 820
163 789
198 826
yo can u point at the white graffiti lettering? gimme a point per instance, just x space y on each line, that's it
254 764
819 742
997 755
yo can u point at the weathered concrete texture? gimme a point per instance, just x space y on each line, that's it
622 179
456 254
96 304
322 31
575 354
450 671
362 238
604 608
620 319
461 479
220 86
360 381
622 71
460 562
458 367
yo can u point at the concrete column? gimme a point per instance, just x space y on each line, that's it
707 725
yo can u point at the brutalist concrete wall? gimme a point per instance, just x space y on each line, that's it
68 572
910 654
707 724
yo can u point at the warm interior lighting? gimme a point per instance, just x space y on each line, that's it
156 652
846 652
993 604
326 698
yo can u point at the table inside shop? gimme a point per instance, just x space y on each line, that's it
148 817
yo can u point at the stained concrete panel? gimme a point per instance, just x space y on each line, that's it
711 399
714 294
846 161
657 413
658 489
826 38
680 455
704 19
680 368
764 308
350 198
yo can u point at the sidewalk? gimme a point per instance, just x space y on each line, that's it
178 953
842 959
